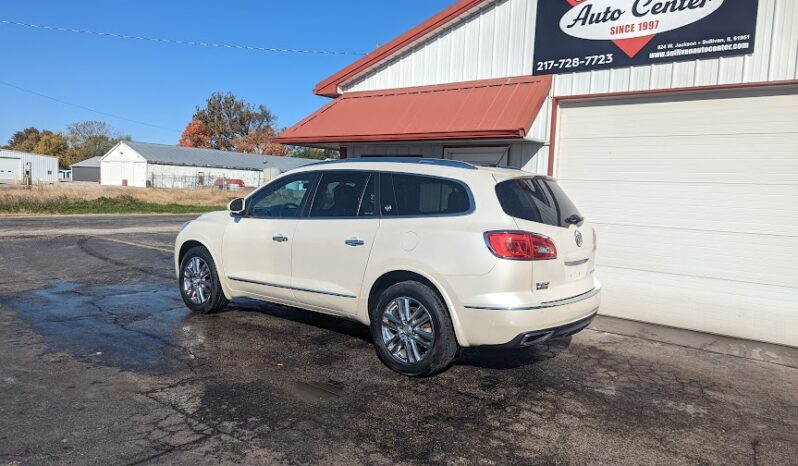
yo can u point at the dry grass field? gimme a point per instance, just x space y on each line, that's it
86 198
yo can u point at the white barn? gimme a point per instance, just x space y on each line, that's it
142 164
15 166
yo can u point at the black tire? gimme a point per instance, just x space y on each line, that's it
216 300
444 346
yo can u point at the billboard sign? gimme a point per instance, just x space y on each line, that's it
583 35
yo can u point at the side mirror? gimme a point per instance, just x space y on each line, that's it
236 206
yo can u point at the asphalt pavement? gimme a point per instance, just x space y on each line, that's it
100 363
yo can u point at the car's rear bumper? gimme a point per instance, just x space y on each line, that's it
526 325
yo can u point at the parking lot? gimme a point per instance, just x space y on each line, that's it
100 363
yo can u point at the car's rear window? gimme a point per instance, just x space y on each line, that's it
537 199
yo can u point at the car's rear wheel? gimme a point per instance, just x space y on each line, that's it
199 282
412 330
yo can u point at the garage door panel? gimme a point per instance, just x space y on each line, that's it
714 306
720 207
768 259
9 169
707 159
693 198
696 115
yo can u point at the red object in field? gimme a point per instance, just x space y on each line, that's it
228 182
520 245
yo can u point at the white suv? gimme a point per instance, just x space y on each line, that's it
432 254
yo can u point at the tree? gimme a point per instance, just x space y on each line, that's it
89 139
228 120
195 135
55 144
25 140
315 153
260 142
83 140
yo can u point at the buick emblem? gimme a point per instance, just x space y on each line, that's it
578 236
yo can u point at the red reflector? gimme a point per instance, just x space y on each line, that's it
520 245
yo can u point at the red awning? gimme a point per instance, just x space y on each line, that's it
489 109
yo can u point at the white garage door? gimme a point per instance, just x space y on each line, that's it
695 201
9 169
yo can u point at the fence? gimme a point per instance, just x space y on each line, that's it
200 182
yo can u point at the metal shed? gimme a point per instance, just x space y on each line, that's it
16 167
87 170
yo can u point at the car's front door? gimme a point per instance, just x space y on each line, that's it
257 245
334 241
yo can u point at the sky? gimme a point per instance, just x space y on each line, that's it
158 85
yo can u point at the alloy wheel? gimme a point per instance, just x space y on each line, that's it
407 330
197 280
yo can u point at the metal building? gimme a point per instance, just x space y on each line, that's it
21 167
670 124
144 164
87 170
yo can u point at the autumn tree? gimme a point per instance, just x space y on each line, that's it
195 135
24 140
260 142
226 122
83 140
55 144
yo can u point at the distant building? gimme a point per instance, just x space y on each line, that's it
87 170
17 167
144 164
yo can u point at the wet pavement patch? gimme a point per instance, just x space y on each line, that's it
128 326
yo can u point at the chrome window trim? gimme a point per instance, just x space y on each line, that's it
545 305
285 287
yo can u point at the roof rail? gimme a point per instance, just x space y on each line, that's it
417 160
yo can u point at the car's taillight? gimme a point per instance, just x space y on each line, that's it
520 245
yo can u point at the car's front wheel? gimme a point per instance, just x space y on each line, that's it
412 330
199 282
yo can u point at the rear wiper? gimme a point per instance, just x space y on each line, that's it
574 219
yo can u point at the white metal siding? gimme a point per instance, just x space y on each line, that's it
499 41
692 232
123 163
10 170
44 168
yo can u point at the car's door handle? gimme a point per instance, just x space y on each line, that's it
354 242
280 238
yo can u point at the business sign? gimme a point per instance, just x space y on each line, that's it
582 35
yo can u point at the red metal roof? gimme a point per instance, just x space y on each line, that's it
488 109
329 86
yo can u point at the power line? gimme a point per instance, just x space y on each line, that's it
178 41
29 91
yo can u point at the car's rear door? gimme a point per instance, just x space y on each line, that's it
334 240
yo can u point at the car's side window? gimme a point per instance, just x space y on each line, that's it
283 199
425 195
339 194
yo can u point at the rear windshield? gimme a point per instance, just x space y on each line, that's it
539 200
